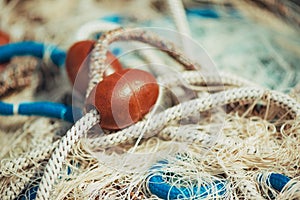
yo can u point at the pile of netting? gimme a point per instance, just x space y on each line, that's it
212 133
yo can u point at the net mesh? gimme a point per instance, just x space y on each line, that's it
233 143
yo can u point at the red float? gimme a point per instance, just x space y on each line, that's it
77 64
4 38
123 98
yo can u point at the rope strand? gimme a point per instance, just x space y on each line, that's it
60 153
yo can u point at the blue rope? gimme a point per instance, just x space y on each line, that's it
29 194
46 109
113 18
6 109
31 48
205 13
275 180
159 187
278 181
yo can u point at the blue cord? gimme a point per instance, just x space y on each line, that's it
159 187
113 18
46 109
29 194
278 181
6 109
205 13
31 48
275 180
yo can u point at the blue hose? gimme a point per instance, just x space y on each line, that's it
31 48
162 189
46 109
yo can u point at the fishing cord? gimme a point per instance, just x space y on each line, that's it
156 124
110 23
46 109
274 180
98 56
32 48
157 121
157 185
49 53
161 188
63 112
181 22
17 74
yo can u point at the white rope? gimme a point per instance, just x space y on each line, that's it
66 143
48 49
189 78
178 14
16 108
158 121
99 26
154 125
185 109
98 64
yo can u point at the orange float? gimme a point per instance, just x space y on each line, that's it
77 64
123 98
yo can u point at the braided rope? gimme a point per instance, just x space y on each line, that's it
100 26
17 74
159 121
98 64
66 143
196 78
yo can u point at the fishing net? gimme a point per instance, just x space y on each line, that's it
228 131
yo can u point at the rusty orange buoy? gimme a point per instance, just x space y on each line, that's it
4 38
123 98
77 64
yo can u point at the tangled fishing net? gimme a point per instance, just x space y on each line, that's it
233 134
